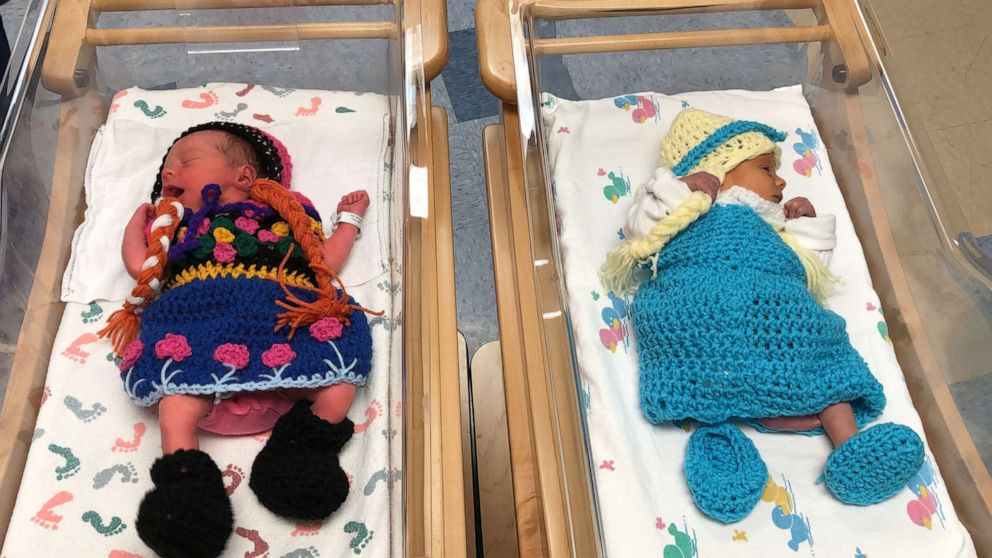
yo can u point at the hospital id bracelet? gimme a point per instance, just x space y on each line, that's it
350 218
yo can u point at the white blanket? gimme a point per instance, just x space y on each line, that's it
337 140
88 466
599 151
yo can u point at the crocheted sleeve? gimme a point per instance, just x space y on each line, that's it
662 193
815 233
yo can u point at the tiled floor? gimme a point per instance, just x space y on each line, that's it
943 71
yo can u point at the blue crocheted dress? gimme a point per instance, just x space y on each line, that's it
727 330
211 329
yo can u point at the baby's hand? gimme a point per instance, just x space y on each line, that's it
143 215
702 182
355 202
799 207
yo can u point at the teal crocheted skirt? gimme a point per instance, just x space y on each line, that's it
727 331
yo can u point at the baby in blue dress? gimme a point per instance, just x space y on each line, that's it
730 326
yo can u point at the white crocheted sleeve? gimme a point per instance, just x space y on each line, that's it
662 193
818 234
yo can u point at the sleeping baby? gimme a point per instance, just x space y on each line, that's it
236 327
730 324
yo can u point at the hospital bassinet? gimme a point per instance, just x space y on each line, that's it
80 63
540 57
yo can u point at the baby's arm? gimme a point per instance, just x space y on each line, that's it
816 233
662 193
338 246
134 246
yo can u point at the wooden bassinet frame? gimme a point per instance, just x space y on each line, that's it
434 496
549 464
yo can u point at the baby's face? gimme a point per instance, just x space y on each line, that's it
196 161
757 175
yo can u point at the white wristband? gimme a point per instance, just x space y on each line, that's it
350 218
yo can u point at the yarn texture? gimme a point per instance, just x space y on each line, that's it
700 141
727 330
725 473
188 513
212 330
297 474
874 465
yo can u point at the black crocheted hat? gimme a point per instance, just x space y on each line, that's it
273 158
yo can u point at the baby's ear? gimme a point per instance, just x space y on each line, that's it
246 177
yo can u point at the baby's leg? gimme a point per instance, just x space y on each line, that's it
330 403
178 419
188 512
838 421
798 424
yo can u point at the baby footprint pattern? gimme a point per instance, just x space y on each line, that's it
374 411
207 99
46 516
312 110
157 112
362 536
308 552
229 115
92 314
114 527
75 350
261 547
235 474
127 446
85 415
71 465
126 471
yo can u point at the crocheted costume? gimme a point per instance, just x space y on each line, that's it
728 331
211 329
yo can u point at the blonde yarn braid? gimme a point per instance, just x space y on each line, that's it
619 272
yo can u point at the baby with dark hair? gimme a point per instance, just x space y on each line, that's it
239 324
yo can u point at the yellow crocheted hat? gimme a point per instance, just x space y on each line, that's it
701 141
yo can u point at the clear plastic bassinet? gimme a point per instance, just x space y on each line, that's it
626 62
86 63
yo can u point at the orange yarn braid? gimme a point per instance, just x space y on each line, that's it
124 325
329 302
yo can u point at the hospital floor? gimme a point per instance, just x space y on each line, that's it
950 73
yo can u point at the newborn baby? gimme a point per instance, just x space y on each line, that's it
728 322
247 261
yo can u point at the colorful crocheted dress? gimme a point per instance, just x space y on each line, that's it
211 329
727 330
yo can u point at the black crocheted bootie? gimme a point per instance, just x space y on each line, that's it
188 513
297 474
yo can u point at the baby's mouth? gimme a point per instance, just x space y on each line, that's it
172 191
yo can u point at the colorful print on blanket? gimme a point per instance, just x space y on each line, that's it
230 104
88 468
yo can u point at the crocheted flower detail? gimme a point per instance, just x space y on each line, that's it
173 346
223 235
224 252
302 199
247 225
278 355
246 245
232 354
267 236
206 248
326 329
204 227
281 228
131 354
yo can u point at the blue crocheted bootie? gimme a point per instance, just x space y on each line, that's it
724 471
874 465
